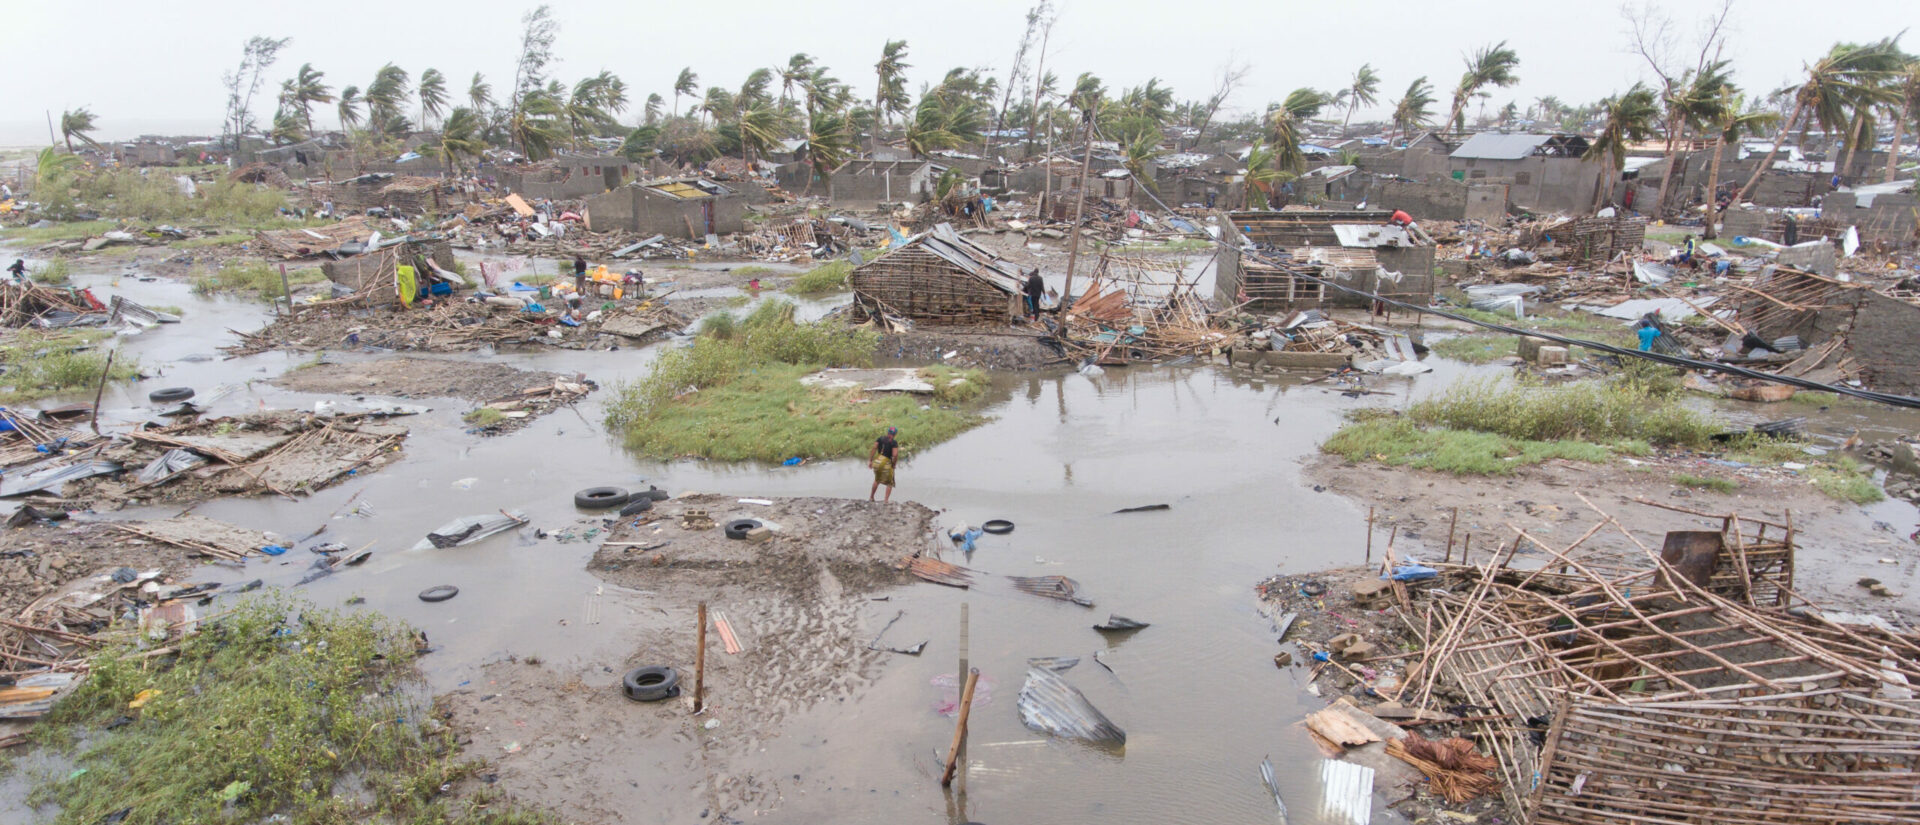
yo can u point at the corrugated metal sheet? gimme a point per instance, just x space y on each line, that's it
54 479
943 241
1346 793
1049 705
1496 146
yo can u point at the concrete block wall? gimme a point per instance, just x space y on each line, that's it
1883 342
1891 220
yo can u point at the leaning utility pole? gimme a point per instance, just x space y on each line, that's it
1079 211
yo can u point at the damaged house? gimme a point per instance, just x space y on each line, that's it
938 277
1542 172
678 208
865 184
1357 249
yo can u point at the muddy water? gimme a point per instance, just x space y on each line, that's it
1197 691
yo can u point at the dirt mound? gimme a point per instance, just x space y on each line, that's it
985 348
416 378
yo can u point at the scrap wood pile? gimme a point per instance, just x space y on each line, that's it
1611 692
803 238
1143 309
304 242
31 304
285 453
25 434
1311 330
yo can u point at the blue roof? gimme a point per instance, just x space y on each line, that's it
1315 149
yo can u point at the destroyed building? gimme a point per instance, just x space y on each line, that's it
866 184
567 176
1357 249
678 208
403 194
1545 173
939 277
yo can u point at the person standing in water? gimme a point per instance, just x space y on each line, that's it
881 460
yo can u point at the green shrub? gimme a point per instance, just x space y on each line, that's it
828 277
39 365
1476 348
1400 442
484 417
57 273
1718 485
1602 411
954 385
1846 480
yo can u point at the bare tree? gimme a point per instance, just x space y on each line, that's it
1651 35
1037 17
1040 76
1232 75
244 81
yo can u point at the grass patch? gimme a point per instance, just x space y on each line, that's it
484 417
1752 448
1477 348
254 276
1546 323
1600 411
56 273
827 277
1718 485
954 385
40 364
263 716
540 278
754 272
1846 480
735 395
1400 442
168 309
74 231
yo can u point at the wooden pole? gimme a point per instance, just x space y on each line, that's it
700 663
1451 523
1466 546
1079 212
966 667
1369 535
960 729
101 389
286 288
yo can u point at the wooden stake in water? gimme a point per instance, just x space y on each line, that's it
960 729
1451 523
966 668
286 289
1369 535
700 663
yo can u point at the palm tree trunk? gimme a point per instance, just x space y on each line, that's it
1767 163
1713 188
1346 120
1893 151
1666 177
1853 142
1079 212
1603 187
1459 105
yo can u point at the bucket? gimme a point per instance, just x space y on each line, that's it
546 292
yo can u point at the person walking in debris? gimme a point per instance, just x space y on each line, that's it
1035 288
18 270
579 275
881 460
1647 333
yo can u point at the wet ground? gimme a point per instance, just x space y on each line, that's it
1197 692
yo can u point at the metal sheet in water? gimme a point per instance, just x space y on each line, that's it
1052 587
1049 705
469 529
1346 793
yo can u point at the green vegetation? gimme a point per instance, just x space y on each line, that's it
37 364
736 395
56 273
254 276
1750 448
212 240
262 716
1718 485
1845 479
1400 442
754 271
1571 323
484 417
1477 348
954 385
1598 411
58 232
827 277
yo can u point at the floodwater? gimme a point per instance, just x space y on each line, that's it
1197 692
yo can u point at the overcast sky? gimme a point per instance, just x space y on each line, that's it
146 67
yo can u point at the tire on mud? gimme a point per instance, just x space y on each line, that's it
651 683
636 506
439 593
739 528
170 395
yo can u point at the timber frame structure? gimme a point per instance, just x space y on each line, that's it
938 277
1680 693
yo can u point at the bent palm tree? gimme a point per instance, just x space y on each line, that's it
479 93
1284 126
1363 91
1905 110
830 143
305 89
686 85
1831 82
794 74
76 123
1490 66
891 95
1413 108
1261 176
1727 129
349 108
534 125
433 95
459 137
385 94
1625 117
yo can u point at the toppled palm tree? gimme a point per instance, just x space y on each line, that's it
1490 66
76 123
1830 85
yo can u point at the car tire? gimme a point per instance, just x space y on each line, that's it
998 527
739 528
651 684
170 395
599 498
637 506
439 593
